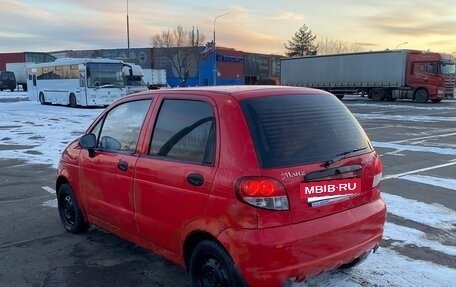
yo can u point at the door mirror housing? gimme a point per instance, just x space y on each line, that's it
88 142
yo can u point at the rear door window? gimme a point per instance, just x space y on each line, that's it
185 130
290 130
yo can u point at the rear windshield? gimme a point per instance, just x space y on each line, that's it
301 129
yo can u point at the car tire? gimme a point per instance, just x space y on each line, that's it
72 218
211 265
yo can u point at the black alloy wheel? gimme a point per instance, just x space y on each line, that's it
211 266
70 214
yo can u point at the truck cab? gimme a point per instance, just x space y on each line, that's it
134 79
434 73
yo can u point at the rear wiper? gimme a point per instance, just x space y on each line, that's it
342 156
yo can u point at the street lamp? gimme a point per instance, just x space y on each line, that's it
128 35
215 51
401 44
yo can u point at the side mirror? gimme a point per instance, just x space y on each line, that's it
88 142
110 143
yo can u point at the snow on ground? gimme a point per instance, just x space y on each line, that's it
418 238
388 268
417 148
447 183
371 105
7 96
421 119
42 132
434 215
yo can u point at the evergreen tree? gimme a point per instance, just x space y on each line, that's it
302 43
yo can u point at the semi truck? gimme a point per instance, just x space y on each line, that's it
381 75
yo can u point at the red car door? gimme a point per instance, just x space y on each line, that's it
106 176
174 179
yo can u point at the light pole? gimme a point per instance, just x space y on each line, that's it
401 44
215 50
128 35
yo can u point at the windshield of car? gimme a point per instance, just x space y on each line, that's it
292 130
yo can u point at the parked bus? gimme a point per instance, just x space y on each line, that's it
77 82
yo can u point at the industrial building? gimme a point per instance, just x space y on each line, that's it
202 67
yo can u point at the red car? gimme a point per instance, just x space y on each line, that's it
243 186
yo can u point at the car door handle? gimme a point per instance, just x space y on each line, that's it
122 165
195 179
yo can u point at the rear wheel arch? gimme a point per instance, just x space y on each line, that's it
192 241
212 265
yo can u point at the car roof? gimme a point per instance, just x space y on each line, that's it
239 92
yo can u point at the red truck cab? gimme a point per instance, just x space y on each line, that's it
431 75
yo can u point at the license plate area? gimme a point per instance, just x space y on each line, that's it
329 191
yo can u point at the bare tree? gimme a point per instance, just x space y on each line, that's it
328 46
179 53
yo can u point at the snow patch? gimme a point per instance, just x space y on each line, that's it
50 203
387 268
422 119
435 215
431 180
400 147
416 237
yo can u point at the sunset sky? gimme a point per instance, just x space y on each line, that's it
251 26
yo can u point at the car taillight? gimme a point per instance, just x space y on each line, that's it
378 172
262 192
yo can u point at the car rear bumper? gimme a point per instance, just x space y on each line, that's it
272 256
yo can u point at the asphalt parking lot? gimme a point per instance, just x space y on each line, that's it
417 143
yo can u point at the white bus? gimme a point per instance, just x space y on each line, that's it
77 82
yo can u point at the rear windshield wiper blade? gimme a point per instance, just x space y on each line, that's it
342 156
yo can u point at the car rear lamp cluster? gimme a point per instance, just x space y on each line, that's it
378 172
262 192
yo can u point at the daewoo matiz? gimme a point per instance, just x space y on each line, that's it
242 186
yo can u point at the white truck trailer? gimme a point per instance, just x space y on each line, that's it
20 71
